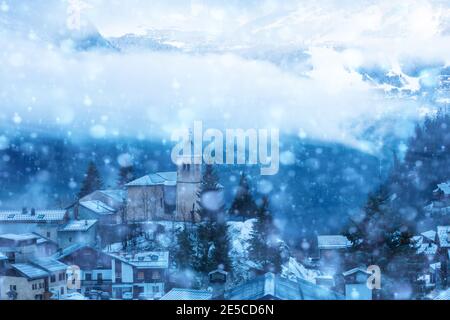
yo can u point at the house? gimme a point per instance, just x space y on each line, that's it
92 265
443 242
21 247
56 283
22 281
106 206
332 249
43 222
426 244
166 195
440 205
187 294
143 273
78 231
355 284
274 287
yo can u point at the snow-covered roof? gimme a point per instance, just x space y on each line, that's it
355 270
444 187
73 296
39 216
187 294
270 285
427 249
333 242
98 207
116 194
144 260
443 233
49 264
30 271
440 295
159 178
19 237
430 235
69 250
78 225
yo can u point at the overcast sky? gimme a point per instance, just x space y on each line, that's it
45 83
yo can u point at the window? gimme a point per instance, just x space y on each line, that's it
62 290
161 202
88 277
99 277
140 275
53 278
156 275
34 286
13 288
48 234
155 289
61 277
70 239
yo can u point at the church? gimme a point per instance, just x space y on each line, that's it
170 196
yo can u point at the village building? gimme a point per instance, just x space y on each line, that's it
165 195
56 283
22 281
139 275
92 268
440 204
355 284
106 206
43 222
82 232
274 287
443 242
187 294
332 250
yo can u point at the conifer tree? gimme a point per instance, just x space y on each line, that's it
262 249
92 181
243 204
184 253
212 231
126 174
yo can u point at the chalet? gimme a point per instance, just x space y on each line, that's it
22 281
187 294
332 249
78 231
440 205
43 222
19 247
355 284
443 242
56 283
143 273
93 265
426 244
275 287
106 206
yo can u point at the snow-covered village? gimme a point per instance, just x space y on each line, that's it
321 171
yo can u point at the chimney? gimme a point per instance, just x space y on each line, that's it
33 211
24 210
85 222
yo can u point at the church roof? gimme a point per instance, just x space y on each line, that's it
154 179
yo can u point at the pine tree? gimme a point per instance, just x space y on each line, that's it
209 203
184 253
92 181
380 238
262 249
126 174
243 204
212 231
